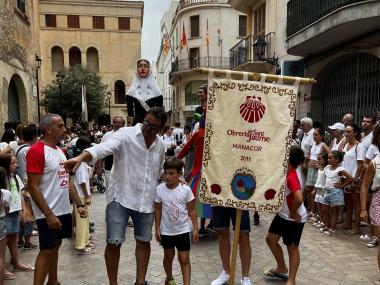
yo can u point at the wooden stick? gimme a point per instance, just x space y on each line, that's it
235 246
257 76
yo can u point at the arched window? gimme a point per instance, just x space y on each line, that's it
57 60
191 89
92 59
119 92
75 56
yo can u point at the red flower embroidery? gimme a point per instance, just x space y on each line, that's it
240 183
216 189
270 194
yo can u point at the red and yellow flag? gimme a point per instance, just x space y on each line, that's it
166 45
207 40
183 37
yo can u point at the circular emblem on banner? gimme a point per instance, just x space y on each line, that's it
243 184
252 110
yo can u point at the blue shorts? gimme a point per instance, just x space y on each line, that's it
223 216
26 229
117 220
333 197
12 221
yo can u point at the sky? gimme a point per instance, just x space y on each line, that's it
153 12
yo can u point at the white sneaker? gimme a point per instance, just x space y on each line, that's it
245 281
223 278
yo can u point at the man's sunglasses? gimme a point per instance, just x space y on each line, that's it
153 127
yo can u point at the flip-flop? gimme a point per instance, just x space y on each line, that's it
9 276
27 268
273 274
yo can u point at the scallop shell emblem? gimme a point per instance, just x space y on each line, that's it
252 110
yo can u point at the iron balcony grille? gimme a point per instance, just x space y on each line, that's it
186 3
243 51
302 13
211 62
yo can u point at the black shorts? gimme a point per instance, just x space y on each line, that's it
181 242
223 216
290 231
49 238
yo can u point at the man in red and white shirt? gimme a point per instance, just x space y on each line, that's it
48 184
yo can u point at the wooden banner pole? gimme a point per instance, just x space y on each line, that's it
235 246
257 76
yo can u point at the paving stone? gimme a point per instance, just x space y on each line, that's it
342 259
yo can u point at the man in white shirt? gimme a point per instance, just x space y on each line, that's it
367 127
139 155
307 138
178 133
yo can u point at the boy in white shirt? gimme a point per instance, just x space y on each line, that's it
174 207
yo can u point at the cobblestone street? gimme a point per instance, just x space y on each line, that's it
342 259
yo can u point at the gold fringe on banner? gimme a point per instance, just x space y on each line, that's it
257 76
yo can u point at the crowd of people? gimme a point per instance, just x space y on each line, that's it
152 175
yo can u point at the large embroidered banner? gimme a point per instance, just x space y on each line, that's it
247 141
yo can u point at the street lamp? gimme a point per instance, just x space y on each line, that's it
259 46
38 66
109 103
60 76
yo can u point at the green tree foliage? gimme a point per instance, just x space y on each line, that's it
68 104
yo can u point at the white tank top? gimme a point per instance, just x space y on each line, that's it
315 151
376 178
335 145
321 179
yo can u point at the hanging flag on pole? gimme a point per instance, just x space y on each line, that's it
207 40
166 45
84 105
183 37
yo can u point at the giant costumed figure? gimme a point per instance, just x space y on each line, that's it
143 94
194 177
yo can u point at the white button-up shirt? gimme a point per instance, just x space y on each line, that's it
135 170
307 142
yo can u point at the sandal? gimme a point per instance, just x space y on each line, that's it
273 274
27 268
9 276
30 246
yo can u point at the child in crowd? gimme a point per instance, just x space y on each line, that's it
82 185
175 205
4 209
288 223
318 147
15 186
319 188
334 196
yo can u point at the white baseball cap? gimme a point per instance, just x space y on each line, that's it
337 126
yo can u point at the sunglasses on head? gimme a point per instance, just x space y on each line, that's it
153 127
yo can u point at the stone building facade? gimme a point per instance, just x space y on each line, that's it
18 49
103 35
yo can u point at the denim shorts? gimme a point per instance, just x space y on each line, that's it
13 224
26 229
223 216
333 197
117 220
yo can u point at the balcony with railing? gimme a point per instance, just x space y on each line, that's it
189 64
188 3
317 26
243 56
